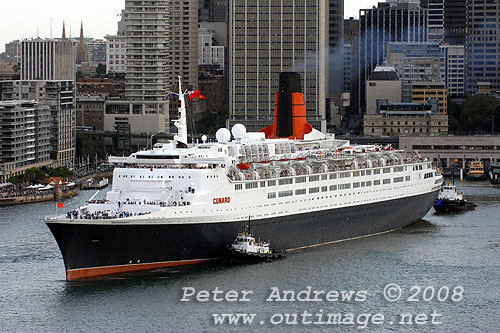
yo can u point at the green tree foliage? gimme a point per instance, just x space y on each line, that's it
478 113
101 69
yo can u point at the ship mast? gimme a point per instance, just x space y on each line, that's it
181 123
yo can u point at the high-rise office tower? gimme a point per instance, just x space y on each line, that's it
48 59
455 21
267 37
336 45
351 61
148 51
392 21
483 44
183 22
213 10
435 19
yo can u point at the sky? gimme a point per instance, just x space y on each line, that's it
23 18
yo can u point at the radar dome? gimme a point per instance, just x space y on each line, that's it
223 135
239 131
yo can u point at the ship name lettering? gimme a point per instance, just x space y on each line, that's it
223 200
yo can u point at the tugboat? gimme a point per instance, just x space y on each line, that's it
246 249
476 171
450 201
495 173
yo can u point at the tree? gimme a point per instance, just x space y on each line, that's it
479 112
79 75
101 69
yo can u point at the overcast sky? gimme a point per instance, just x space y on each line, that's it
22 18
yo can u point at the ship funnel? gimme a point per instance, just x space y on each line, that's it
289 110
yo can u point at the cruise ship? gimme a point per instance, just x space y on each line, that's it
179 203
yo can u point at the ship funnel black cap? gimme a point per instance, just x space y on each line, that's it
289 83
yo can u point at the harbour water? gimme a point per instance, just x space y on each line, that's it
446 265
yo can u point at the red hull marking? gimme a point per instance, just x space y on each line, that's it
82 273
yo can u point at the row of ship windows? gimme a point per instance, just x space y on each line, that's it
152 177
298 180
346 186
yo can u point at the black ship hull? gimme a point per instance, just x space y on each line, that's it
93 250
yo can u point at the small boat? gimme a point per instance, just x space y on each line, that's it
476 171
495 173
246 249
97 184
450 201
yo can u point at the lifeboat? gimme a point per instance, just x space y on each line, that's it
244 166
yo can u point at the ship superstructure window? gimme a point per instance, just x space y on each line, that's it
314 190
355 185
333 176
271 183
324 177
300 180
271 195
263 184
368 172
408 178
399 169
300 191
376 182
286 181
288 193
249 186
314 178
398 179
386 181
345 174
333 187
324 188
387 170
344 186
376 172
355 173
428 175
368 183
238 187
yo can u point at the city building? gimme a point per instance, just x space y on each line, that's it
48 59
336 46
96 87
456 21
12 52
422 92
183 22
416 62
483 44
209 52
454 56
290 36
351 62
24 143
454 151
60 97
384 83
435 20
131 118
8 70
147 58
96 51
391 21
90 112
409 119
213 11
116 56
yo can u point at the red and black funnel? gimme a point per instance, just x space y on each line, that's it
289 110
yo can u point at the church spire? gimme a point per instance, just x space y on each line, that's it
81 32
64 31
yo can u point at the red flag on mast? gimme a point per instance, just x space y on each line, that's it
60 205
